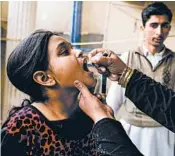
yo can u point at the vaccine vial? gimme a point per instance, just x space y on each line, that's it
91 65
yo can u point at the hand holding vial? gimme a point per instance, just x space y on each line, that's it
107 63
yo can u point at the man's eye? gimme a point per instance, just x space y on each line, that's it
154 25
165 25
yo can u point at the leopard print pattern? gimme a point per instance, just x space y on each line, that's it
39 139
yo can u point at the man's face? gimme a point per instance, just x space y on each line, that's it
156 30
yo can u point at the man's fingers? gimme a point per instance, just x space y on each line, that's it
104 61
95 51
100 96
82 88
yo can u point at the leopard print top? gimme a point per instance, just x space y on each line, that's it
28 132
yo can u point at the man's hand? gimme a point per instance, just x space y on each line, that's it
91 105
114 66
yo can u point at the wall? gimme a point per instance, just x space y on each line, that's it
54 16
57 16
171 39
123 26
4 10
118 21
93 16
4 14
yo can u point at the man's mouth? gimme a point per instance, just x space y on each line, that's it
160 39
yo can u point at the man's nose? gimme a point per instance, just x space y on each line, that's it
159 30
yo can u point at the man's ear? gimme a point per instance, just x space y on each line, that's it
43 78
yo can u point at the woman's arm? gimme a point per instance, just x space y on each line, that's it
152 98
112 140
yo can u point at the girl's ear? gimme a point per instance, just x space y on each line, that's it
44 79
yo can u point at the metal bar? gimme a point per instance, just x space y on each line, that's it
76 23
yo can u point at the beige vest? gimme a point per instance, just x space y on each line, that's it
164 73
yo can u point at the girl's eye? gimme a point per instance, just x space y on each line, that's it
63 52
64 49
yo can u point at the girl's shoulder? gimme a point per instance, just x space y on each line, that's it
26 117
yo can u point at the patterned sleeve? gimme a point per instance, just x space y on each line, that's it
111 139
152 98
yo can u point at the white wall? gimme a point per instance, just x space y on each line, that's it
123 26
170 42
4 10
118 23
54 15
57 16
93 16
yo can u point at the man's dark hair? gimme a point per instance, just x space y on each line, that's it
156 8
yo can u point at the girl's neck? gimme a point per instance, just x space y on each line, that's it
59 106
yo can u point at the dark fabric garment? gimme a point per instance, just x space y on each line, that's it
28 132
152 98
111 139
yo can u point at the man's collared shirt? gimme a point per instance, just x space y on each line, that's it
154 59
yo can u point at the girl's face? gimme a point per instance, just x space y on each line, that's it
66 64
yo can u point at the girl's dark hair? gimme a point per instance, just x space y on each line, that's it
29 56
156 8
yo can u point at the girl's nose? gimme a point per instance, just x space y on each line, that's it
80 53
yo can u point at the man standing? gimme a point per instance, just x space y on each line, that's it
158 62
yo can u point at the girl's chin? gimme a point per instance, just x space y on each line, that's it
92 86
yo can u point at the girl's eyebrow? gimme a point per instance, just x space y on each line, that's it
64 44
61 44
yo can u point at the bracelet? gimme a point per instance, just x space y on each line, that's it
121 79
129 77
125 77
